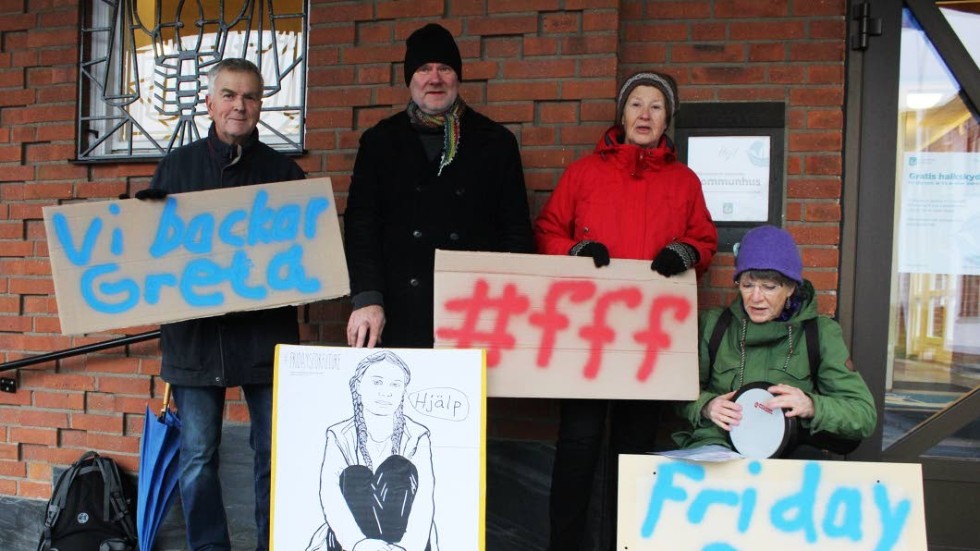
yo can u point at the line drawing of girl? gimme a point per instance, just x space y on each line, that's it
377 482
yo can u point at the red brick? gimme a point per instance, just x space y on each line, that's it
822 212
11 230
47 191
89 190
539 46
705 53
29 435
16 248
61 171
561 22
591 44
11 78
40 418
820 258
816 96
375 74
461 8
655 32
820 7
754 93
787 74
826 74
768 29
58 56
590 4
557 68
13 468
342 13
15 324
508 6
824 118
112 443
815 141
54 456
124 385
46 380
21 22
48 324
546 158
557 112
403 9
597 68
584 89
597 20
16 97
643 53
514 91
126 170
16 173
726 74
502 24
823 164
504 46
794 211
582 134
767 52
743 9
331 76
112 364
49 152
11 153
97 423
835 29
523 112
817 51
816 235
535 135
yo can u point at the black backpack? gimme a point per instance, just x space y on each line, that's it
821 440
90 509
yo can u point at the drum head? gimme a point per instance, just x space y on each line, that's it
763 432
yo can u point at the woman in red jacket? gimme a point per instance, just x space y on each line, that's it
630 198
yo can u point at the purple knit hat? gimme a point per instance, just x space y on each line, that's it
769 248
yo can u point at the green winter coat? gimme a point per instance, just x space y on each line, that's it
844 406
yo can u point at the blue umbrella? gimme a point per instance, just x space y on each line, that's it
159 470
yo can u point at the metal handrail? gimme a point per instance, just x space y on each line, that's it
79 350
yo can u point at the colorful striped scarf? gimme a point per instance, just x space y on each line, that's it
448 122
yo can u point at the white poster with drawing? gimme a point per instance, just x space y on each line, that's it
734 173
378 449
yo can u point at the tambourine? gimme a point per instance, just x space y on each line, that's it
763 432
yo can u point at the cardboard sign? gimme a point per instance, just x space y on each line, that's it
556 326
122 263
769 504
378 444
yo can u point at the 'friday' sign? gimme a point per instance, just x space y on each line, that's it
769 504
124 263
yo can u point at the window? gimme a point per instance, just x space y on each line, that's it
144 64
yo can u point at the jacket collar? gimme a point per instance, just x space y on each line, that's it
226 154
633 158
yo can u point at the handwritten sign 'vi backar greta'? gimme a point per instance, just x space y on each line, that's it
124 263
557 326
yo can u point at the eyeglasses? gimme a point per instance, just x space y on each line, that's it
768 288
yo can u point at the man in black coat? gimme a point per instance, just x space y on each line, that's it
438 175
202 357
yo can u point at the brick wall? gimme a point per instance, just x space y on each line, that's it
545 68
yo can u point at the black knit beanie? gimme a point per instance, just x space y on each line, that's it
431 44
665 83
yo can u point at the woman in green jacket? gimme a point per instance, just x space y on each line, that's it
765 341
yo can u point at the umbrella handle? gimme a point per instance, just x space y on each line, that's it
167 393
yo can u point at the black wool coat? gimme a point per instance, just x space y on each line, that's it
399 212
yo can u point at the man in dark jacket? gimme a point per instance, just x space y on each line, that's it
438 175
203 357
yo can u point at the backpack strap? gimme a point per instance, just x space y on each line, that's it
115 507
812 333
724 320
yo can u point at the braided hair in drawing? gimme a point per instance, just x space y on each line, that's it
398 417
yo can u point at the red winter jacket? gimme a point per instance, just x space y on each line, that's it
633 200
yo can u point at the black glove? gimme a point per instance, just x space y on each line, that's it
675 258
151 194
598 252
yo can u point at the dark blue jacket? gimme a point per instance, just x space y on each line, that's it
237 348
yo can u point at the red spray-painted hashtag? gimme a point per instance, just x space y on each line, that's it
654 337
508 304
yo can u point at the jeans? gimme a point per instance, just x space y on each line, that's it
633 429
201 411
